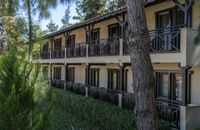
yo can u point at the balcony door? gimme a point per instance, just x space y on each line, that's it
114 31
113 79
71 41
57 44
57 73
168 22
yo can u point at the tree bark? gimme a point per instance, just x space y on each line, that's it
30 28
143 78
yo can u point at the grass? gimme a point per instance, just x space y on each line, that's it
86 113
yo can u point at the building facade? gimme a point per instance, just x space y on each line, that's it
95 53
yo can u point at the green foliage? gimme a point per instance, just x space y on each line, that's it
18 93
77 111
66 18
51 27
197 128
89 8
163 125
114 4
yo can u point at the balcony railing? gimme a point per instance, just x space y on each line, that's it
59 53
169 110
165 40
104 47
79 50
162 41
45 54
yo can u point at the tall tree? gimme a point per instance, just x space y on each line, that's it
142 70
18 96
31 6
66 18
114 4
89 8
51 27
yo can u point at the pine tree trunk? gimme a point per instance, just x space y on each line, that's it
143 78
30 33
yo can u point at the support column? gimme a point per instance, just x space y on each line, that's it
87 75
50 74
66 72
186 85
121 74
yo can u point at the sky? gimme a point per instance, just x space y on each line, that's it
57 14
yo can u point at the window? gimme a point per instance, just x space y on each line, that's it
70 74
57 73
169 85
124 87
45 47
71 41
164 85
114 30
170 17
113 79
95 36
57 44
45 72
94 77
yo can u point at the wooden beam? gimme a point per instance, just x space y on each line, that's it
179 5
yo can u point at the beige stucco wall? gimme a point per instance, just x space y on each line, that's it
79 73
195 86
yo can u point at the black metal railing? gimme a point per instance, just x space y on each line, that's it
45 54
165 40
104 47
78 50
100 93
169 110
162 40
58 53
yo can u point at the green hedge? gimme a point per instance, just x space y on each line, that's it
88 113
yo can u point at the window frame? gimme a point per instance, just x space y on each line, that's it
57 44
56 74
92 77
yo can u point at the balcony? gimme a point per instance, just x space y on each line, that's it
166 41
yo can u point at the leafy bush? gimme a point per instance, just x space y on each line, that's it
71 110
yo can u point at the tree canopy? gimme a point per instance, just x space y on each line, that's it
66 17
89 8
51 27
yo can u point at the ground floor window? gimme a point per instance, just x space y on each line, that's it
94 77
169 85
57 73
70 74
114 79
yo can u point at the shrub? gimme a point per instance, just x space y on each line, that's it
90 114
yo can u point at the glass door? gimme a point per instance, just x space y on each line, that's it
113 79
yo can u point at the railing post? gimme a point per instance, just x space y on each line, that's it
121 46
86 91
50 52
87 51
65 86
119 99
65 52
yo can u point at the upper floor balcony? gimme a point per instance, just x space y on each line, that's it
167 45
